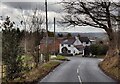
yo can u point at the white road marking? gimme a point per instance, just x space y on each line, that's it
80 80
77 70
79 75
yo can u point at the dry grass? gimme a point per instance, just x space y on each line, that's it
60 57
36 74
111 66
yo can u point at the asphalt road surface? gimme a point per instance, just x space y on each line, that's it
80 70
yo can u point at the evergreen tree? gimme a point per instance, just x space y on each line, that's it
11 51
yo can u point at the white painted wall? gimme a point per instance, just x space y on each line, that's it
60 48
74 49
77 42
84 44
71 48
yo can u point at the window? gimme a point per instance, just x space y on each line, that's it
69 45
64 50
69 51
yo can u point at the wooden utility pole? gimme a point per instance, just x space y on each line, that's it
54 36
47 54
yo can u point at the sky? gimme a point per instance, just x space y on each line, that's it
12 8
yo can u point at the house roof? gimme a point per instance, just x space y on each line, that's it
49 40
84 39
72 40
80 47
51 46
68 41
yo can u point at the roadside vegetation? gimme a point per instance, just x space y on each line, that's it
113 70
98 50
20 49
100 56
36 74
21 61
61 58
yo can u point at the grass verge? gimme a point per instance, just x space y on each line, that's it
60 57
36 74
100 56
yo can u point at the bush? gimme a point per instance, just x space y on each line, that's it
94 49
102 50
98 49
36 74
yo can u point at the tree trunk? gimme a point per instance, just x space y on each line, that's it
110 64
113 47
113 43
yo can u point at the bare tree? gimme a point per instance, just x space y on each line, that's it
33 32
99 14
37 21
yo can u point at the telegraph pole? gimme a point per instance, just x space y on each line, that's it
47 55
54 35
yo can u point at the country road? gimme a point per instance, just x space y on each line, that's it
79 69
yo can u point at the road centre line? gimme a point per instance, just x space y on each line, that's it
79 75
79 79
77 70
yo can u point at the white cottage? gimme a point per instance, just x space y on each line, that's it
73 46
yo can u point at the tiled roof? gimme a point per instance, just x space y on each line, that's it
80 47
69 41
84 39
72 40
49 40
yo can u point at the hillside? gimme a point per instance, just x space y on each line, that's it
98 35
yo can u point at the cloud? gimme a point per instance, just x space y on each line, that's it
80 29
13 10
30 1
54 10
52 6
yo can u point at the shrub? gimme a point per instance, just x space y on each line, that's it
102 50
94 49
98 49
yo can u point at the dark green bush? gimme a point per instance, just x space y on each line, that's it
98 49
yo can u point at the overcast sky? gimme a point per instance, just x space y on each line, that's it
12 8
